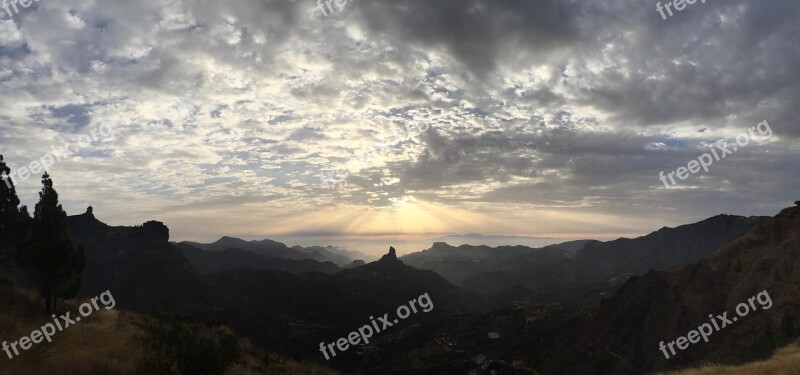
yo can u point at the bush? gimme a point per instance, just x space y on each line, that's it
174 346
104 369
787 326
5 282
760 348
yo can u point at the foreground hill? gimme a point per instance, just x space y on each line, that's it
119 342
785 361
623 336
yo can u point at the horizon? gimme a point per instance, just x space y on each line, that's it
378 246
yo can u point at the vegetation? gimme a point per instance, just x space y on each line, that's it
176 346
116 342
41 243
14 220
53 260
784 361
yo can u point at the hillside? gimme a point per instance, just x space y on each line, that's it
111 342
785 361
623 335
576 270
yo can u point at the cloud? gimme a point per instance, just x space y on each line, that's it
231 108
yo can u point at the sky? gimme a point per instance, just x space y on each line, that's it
428 118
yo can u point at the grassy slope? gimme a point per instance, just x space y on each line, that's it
106 342
785 361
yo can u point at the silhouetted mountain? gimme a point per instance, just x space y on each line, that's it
295 312
623 335
291 313
579 269
283 312
217 261
274 249
598 264
144 271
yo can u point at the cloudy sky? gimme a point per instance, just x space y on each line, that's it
541 118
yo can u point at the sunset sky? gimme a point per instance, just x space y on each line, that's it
547 118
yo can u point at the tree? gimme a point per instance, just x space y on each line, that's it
54 262
787 326
14 220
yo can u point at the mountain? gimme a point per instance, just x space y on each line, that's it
579 270
602 265
623 335
274 249
457 264
296 312
291 313
284 313
208 262
138 264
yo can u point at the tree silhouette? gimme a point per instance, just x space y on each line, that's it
55 264
14 220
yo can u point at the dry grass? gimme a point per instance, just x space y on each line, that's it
785 361
106 342
92 343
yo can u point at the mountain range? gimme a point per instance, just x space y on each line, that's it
586 306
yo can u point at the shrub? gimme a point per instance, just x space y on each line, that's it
760 348
174 346
5 282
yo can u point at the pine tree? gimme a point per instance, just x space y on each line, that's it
55 263
14 220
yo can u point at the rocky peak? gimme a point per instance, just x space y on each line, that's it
156 230
390 257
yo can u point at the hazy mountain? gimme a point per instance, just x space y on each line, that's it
458 264
274 249
217 261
